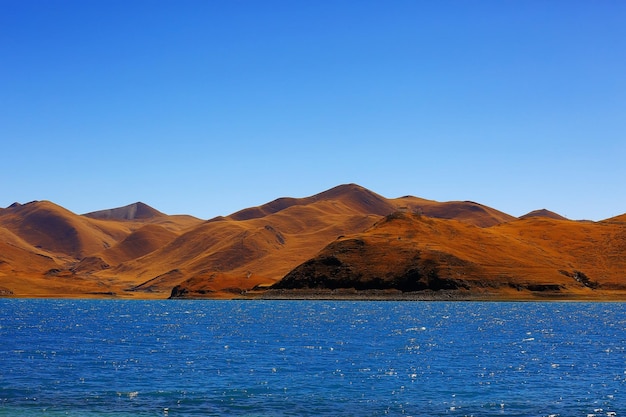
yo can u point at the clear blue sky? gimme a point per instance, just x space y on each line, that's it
208 107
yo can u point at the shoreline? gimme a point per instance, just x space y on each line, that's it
350 295
429 295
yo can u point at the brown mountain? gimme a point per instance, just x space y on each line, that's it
353 196
543 213
408 252
133 211
48 226
141 213
229 255
47 250
346 237
465 211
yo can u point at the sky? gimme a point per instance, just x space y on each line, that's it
208 107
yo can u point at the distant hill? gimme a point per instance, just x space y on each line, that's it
543 213
46 250
354 196
347 237
48 226
465 211
133 211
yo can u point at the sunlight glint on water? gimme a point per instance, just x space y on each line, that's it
187 358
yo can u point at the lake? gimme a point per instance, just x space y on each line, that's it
318 358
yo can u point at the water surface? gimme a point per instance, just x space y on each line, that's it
293 358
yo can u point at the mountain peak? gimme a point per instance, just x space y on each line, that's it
353 195
543 213
358 197
133 211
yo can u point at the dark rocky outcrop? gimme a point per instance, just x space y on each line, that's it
353 264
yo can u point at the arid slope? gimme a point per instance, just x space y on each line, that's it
347 236
48 226
46 250
255 247
464 211
537 256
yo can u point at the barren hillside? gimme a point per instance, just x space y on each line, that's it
346 237
537 256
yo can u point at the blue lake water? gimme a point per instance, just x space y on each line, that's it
317 358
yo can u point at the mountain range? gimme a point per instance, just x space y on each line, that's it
346 242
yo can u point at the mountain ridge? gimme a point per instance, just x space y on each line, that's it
136 251
359 197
